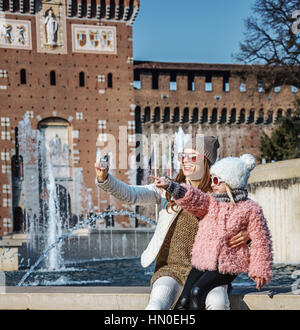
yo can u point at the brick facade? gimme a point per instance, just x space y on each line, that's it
55 78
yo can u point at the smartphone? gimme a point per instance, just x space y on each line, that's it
104 162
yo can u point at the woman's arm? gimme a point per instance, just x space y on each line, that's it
261 257
147 194
131 194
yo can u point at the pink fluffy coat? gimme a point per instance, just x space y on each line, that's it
219 221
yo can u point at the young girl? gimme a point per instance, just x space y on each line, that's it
222 213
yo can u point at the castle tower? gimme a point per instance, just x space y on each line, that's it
68 66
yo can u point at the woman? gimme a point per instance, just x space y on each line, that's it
174 235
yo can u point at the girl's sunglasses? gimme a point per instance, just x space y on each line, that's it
216 180
190 157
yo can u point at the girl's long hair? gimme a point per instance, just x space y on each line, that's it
228 190
204 184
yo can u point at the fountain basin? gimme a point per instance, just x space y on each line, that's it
9 249
83 244
124 298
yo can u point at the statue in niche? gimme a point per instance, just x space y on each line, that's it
21 38
8 35
51 27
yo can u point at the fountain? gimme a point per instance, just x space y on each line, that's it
42 192
81 224
54 224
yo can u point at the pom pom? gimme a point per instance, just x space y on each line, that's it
249 160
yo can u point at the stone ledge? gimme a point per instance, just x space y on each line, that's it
122 298
280 170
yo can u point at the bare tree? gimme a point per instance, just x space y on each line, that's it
272 43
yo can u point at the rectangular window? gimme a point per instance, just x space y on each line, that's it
173 86
277 89
29 114
4 155
75 134
79 115
131 124
243 87
131 139
208 86
101 78
6 202
6 169
3 74
225 84
226 87
101 124
6 189
5 135
7 222
137 84
102 137
260 87
130 60
5 122
294 89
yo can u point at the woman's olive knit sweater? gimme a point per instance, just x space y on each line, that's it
174 258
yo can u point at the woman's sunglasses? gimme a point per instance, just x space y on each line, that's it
216 180
190 157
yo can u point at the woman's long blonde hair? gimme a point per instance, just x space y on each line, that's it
204 184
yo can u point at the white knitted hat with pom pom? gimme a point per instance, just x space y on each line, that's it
235 171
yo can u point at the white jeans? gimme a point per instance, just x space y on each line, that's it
166 291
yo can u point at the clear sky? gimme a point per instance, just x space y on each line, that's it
204 31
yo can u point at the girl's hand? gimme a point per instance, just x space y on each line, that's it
240 239
101 173
161 182
260 282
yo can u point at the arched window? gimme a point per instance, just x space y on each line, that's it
223 117
204 117
195 116
232 116
156 117
185 117
52 78
288 113
260 117
214 116
175 115
166 117
23 76
242 117
279 116
109 81
269 118
147 114
81 79
250 118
